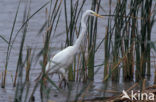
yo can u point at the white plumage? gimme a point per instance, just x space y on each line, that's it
62 60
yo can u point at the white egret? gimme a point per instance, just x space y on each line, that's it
63 59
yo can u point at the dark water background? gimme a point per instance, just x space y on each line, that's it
35 41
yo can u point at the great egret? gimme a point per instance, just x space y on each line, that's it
63 59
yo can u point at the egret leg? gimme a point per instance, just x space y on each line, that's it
59 76
64 75
66 79
63 80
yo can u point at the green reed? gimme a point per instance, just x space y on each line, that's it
21 63
92 32
28 64
125 46
53 15
146 24
119 11
8 49
12 40
146 29
107 43
127 35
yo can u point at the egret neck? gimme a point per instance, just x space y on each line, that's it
83 30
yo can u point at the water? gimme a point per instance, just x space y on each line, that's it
7 11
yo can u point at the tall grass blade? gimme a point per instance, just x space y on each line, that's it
8 49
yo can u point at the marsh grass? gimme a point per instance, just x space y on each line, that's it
21 63
126 34
92 33
53 15
127 46
28 66
8 49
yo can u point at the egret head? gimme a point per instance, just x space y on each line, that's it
92 13
88 13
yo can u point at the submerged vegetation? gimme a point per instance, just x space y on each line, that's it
129 50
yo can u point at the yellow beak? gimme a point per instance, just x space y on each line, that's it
97 15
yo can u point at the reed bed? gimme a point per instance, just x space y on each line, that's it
127 48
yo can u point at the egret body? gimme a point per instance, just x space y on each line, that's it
63 59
